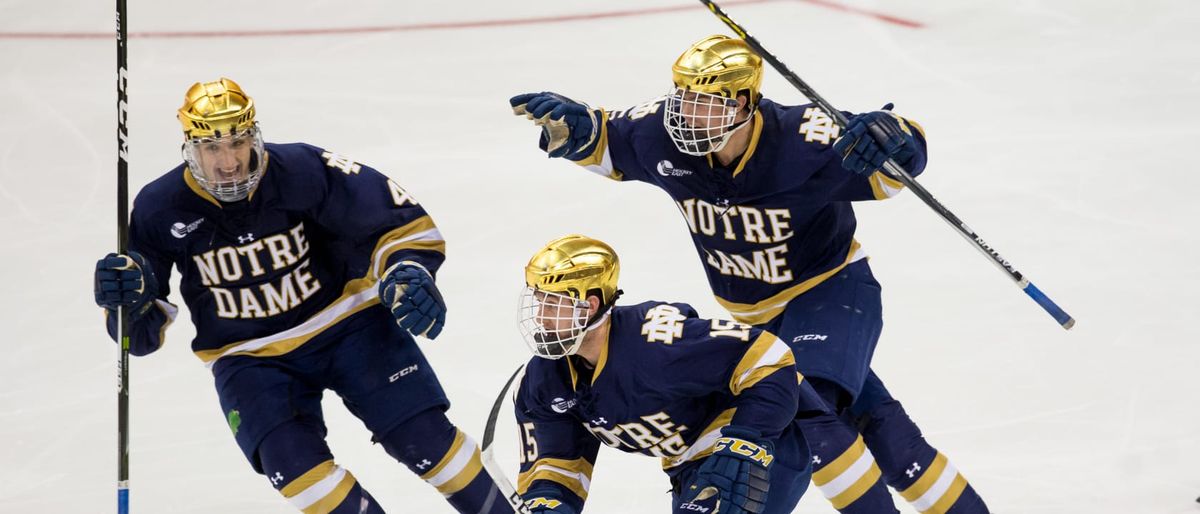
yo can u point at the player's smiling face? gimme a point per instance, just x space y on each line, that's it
225 161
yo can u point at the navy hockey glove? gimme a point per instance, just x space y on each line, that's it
871 138
408 290
569 129
546 504
125 281
736 476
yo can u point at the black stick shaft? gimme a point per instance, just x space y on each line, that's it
122 240
897 172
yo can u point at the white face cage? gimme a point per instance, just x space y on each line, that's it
552 324
699 123
228 167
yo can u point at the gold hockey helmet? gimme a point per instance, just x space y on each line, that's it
554 314
223 145
719 65
575 265
216 109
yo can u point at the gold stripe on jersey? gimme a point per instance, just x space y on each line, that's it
754 136
766 356
419 234
359 294
766 310
600 362
199 190
575 475
883 186
702 446
195 187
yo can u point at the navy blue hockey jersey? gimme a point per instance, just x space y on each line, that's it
773 224
664 385
264 275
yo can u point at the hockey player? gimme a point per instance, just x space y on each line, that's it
303 271
715 400
766 190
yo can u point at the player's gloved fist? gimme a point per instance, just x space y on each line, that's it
408 290
125 281
546 504
870 139
569 128
736 476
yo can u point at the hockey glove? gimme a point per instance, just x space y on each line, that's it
870 139
125 281
569 129
408 290
736 476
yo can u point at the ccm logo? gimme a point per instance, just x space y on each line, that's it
810 337
693 507
402 373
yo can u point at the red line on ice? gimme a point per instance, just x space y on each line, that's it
830 4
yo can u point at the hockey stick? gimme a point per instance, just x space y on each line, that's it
898 173
489 461
122 238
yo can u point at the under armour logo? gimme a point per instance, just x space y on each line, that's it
816 460
246 238
600 421
275 480
424 464
912 472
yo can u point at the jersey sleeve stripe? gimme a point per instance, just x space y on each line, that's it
883 186
767 355
702 446
600 161
575 475
420 234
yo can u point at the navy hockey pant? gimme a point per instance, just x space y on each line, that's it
832 329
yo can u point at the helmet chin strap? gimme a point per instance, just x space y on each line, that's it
602 314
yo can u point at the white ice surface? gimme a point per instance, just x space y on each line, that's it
1063 131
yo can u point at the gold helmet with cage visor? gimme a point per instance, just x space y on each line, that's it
555 310
223 146
703 107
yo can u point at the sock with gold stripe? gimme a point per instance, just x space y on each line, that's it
447 459
843 468
297 461
921 474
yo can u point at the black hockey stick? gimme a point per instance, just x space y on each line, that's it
489 461
122 238
897 172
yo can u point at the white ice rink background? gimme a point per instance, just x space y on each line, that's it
1065 132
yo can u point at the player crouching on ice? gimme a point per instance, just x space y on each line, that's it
297 266
715 400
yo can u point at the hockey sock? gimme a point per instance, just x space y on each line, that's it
920 473
447 459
